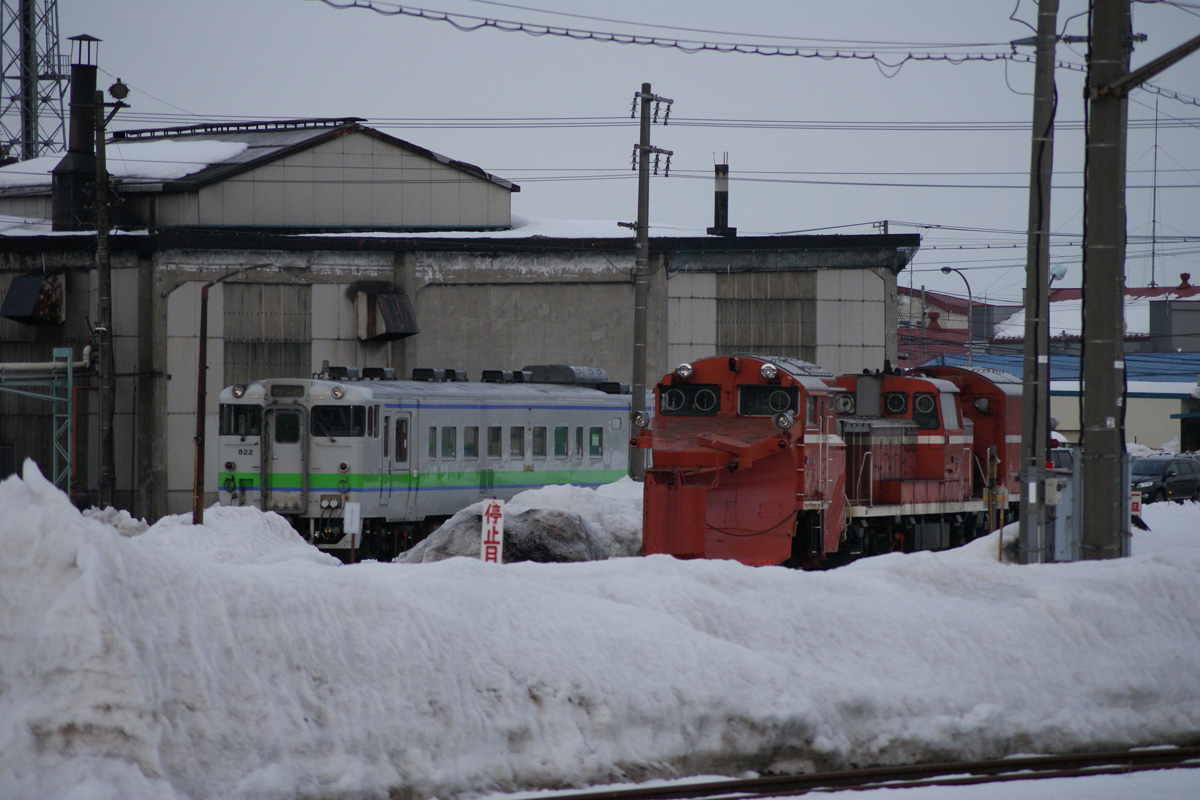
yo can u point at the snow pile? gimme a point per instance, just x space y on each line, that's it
551 524
224 661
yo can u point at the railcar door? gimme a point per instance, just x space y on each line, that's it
285 460
400 467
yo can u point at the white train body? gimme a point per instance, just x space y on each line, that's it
410 453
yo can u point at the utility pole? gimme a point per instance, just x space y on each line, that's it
1033 539
641 270
1106 493
104 279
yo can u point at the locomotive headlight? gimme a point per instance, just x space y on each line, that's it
684 371
769 372
640 419
782 421
338 392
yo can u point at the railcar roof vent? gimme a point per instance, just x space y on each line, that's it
498 376
456 375
615 387
378 374
428 374
562 373
343 373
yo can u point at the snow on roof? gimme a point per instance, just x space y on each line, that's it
159 160
1066 317
233 660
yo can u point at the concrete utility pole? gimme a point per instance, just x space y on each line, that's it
1033 539
1106 493
641 270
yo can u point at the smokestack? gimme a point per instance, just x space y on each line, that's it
721 202
74 194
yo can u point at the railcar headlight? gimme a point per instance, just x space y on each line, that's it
684 371
229 466
342 467
238 390
324 502
338 392
769 372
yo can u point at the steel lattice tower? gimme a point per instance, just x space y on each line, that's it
35 78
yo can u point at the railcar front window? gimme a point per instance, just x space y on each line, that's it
287 427
337 421
925 412
766 401
689 399
241 420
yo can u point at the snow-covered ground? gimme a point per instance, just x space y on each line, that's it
232 660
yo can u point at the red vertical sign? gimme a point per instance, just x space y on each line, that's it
492 549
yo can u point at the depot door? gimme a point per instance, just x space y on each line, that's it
285 467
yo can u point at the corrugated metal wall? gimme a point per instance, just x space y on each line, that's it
268 331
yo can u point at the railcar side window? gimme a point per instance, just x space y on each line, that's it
765 401
402 440
241 420
950 411
579 442
432 443
596 442
339 420
925 412
494 434
539 441
690 399
386 422
561 441
471 442
449 443
516 441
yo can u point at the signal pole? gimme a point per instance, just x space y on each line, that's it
641 270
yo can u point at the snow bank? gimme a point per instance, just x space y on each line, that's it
227 661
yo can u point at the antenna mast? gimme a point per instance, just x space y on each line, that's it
33 81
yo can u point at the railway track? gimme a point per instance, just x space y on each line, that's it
959 773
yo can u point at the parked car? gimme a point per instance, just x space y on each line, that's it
1166 478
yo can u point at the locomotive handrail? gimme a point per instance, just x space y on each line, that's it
868 456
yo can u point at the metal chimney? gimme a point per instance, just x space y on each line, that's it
74 194
721 203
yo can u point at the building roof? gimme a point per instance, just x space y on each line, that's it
193 156
1160 368
1066 313
952 303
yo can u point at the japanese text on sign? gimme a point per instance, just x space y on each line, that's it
492 549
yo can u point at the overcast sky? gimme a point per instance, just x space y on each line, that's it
936 148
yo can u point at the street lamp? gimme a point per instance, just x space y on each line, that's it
970 315
201 381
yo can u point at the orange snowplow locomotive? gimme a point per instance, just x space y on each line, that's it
769 460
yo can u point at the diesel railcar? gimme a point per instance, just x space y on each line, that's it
411 453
